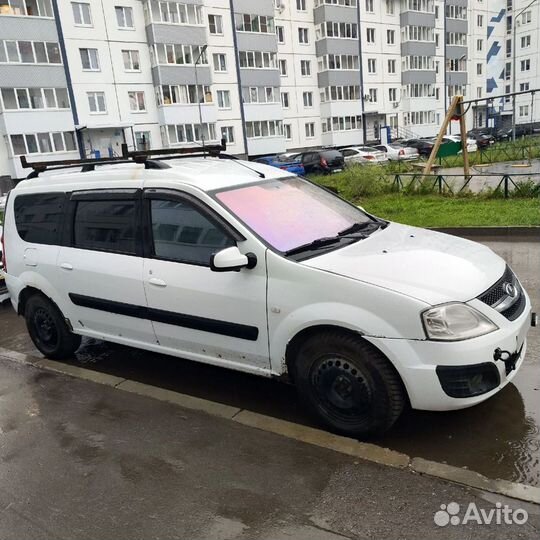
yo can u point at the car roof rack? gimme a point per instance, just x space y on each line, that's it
136 156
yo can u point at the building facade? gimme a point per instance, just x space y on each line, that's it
80 78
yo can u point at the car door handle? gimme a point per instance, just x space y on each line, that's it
157 282
66 266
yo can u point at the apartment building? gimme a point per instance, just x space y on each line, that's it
83 77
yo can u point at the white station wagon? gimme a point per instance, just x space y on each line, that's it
245 266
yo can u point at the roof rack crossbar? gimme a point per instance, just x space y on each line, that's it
141 155
41 166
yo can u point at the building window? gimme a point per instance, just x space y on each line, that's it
479 44
89 59
280 33
370 35
282 67
303 36
526 65
341 123
526 18
131 60
369 6
220 62
524 110
480 21
136 101
227 133
183 94
34 98
479 69
81 13
372 65
29 52
305 68
525 42
30 8
245 22
287 131
310 130
300 5
285 100
391 66
308 99
257 59
264 128
180 54
215 24
337 30
96 102
392 94
188 133
124 17
373 95
390 7
259 94
176 13
43 143
142 140
224 99
390 37
523 87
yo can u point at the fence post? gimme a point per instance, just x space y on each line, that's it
439 179
506 186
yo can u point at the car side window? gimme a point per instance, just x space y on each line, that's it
106 225
183 233
38 217
348 153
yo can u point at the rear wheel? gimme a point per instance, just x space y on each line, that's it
348 384
48 329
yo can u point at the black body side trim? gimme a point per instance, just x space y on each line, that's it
214 326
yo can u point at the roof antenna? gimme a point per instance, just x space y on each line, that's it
238 162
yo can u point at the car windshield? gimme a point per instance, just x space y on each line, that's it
291 212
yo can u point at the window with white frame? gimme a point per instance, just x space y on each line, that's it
224 99
337 30
33 98
390 7
137 101
310 130
280 33
179 54
287 131
188 133
308 99
262 24
183 94
96 102
176 13
282 67
143 140
418 33
523 87
303 36
301 5
391 37
523 110
227 133
345 3
480 21
526 65
372 65
341 123
369 6
220 62
264 128
82 16
419 117
29 8
257 59
285 100
370 35
89 59
260 94
29 52
43 143
373 94
124 17
391 66
479 44
526 17
338 62
392 94
215 24
305 68
131 60
340 93
525 42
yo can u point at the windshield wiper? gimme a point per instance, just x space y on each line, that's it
356 227
315 244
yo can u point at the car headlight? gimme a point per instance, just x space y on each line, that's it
455 322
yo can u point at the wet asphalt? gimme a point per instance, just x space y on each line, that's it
499 438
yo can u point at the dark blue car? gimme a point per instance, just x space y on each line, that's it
282 162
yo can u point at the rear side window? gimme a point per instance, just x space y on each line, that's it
331 155
106 225
39 217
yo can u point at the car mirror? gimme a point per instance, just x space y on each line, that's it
231 259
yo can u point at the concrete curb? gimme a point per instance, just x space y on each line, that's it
316 437
503 233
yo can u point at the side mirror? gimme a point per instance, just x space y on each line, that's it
230 259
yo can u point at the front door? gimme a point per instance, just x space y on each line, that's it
215 317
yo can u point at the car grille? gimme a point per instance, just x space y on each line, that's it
497 297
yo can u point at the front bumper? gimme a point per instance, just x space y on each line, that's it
417 360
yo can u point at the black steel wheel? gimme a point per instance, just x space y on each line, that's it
48 328
348 384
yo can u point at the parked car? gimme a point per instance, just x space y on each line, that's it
363 154
284 163
423 146
483 140
322 161
506 134
471 143
3 289
398 152
245 266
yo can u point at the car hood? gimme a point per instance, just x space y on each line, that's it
427 265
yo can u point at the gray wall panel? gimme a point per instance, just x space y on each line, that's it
26 76
181 75
457 25
260 77
338 78
248 41
420 77
254 7
455 51
336 46
414 18
334 14
28 28
417 48
170 33
453 77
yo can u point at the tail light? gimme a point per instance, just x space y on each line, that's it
402 152
370 157
283 168
324 163
4 263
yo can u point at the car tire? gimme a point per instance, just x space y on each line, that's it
348 384
48 329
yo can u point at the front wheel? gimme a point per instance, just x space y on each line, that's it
348 384
48 329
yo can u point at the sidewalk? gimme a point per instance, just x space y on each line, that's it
81 460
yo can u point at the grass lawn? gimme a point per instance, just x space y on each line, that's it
437 211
